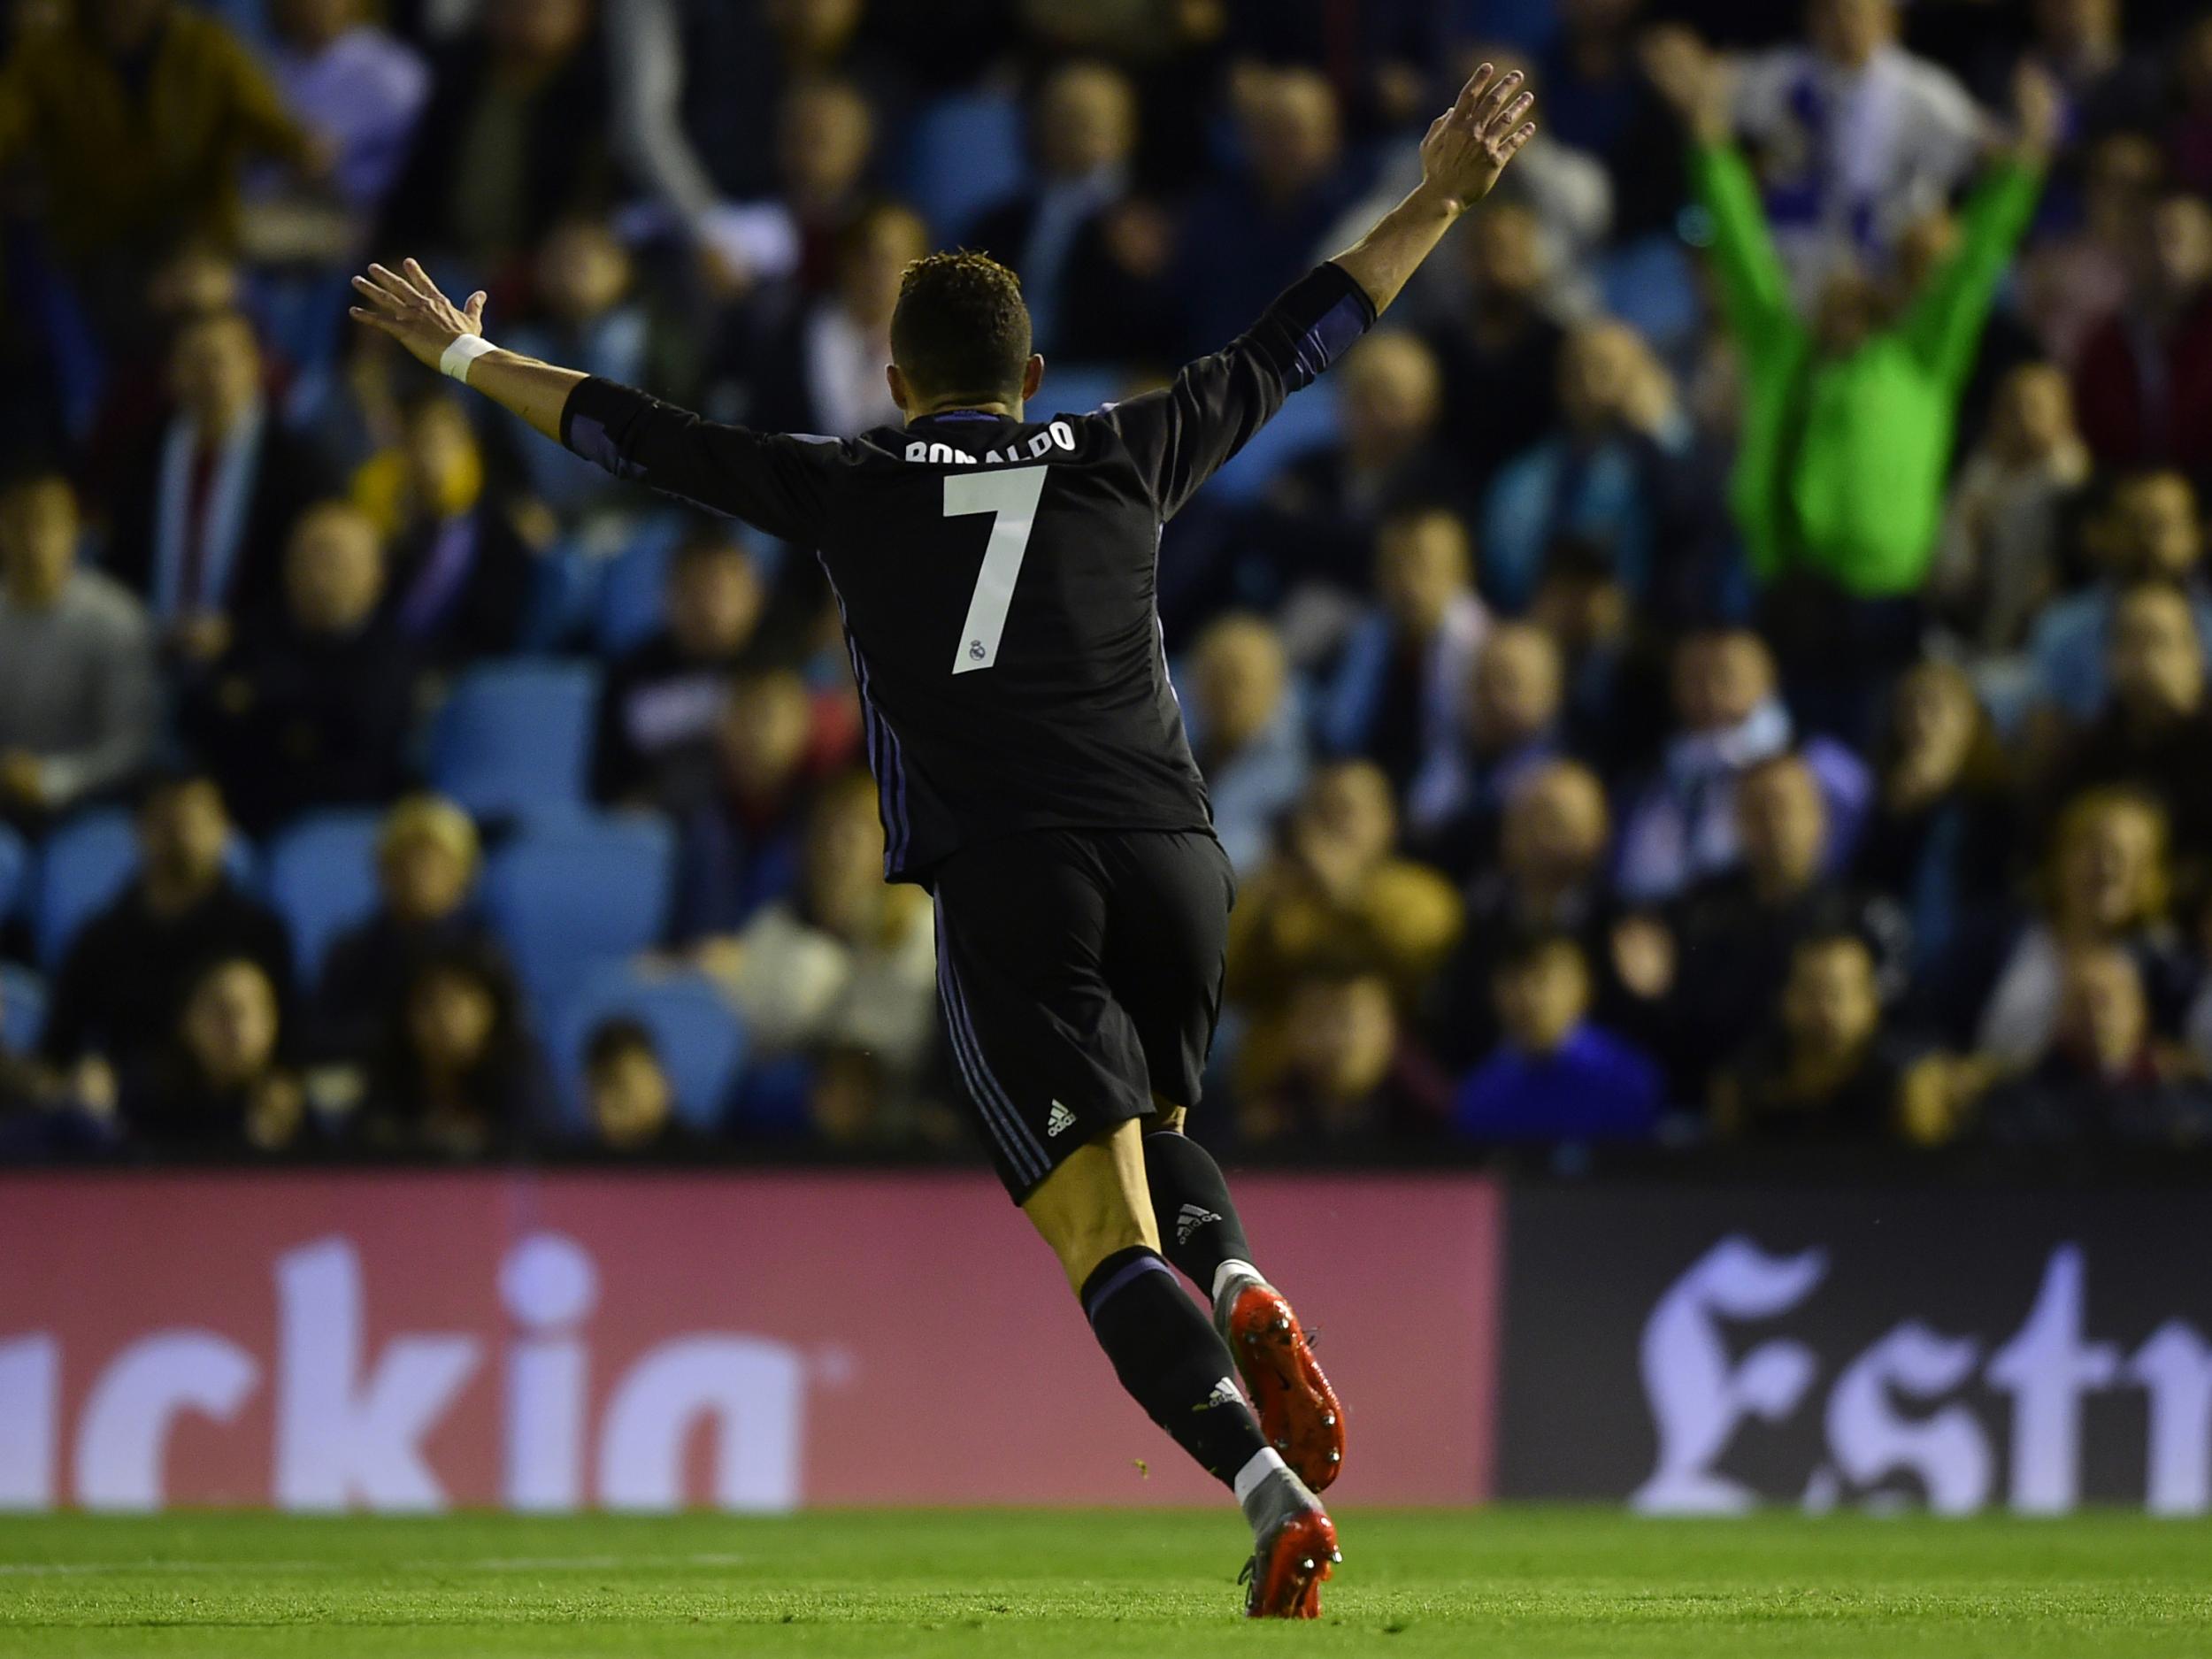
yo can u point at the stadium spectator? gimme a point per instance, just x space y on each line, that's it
843 963
125 976
427 863
461 570
1511 728
1549 878
1247 731
2000 561
136 117
1603 476
1055 232
354 86
629 1104
219 1084
739 847
1556 1076
1343 1076
1827 1071
2071 281
1612 656
1848 415
314 708
661 704
2189 138
201 516
1683 824
1336 889
514 137
2082 45
2155 734
818 365
2102 1082
1247 235
2109 882
77 685
1503 331
826 141
2143 381
1597 100
460 1076
2148 530
1398 694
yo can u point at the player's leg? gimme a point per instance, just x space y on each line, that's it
1095 1212
1167 932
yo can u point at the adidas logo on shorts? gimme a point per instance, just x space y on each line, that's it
1061 1119
1189 1219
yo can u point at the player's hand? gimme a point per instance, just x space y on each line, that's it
2038 108
407 305
1468 146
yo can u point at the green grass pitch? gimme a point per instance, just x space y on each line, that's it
1501 1584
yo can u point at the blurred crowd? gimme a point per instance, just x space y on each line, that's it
1725 663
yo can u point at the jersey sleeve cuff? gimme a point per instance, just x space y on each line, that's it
1318 318
595 411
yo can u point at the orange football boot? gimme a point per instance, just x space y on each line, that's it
1287 1570
1299 1413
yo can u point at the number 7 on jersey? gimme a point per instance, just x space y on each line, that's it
1012 495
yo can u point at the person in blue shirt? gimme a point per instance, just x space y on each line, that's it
1556 1076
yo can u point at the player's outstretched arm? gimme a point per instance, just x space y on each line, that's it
407 305
1467 147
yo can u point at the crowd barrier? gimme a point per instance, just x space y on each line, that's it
764 1340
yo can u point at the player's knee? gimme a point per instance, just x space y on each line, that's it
1095 1204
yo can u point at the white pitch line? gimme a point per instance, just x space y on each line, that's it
488 1563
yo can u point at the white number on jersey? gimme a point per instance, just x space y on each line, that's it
1012 495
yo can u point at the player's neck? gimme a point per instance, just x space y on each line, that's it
996 409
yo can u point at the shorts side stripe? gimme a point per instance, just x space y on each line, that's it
1020 1147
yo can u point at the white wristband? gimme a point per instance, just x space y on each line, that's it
463 352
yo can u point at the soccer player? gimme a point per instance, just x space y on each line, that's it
995 575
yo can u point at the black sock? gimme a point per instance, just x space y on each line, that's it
1199 1228
1171 1362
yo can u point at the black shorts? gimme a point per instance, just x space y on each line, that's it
1079 972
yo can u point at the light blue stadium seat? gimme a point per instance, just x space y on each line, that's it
571 896
1078 389
698 1035
15 864
22 1008
963 154
514 739
629 605
564 592
84 864
321 878
1307 422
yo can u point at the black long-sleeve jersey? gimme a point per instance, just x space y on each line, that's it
997 576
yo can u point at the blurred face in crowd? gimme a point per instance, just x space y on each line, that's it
844 857
1505 251
451 1015
814 31
1290 130
426 866
1782 821
1392 395
38 540
872 259
1936 718
1554 828
439 448
1241 676
2119 184
1598 17
1087 119
1851 308
182 833
1831 1003
2156 527
311 25
333 571
536 34
2034 416
1720 678
2103 1015
2111 866
1599 375
582 271
1850 32
764 735
1515 691
1343 1033
230 1024
1350 807
1924 244
1542 996
822 139
198 278
628 1097
2176 254
2157 661
1421 566
2072 28
215 371
713 601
